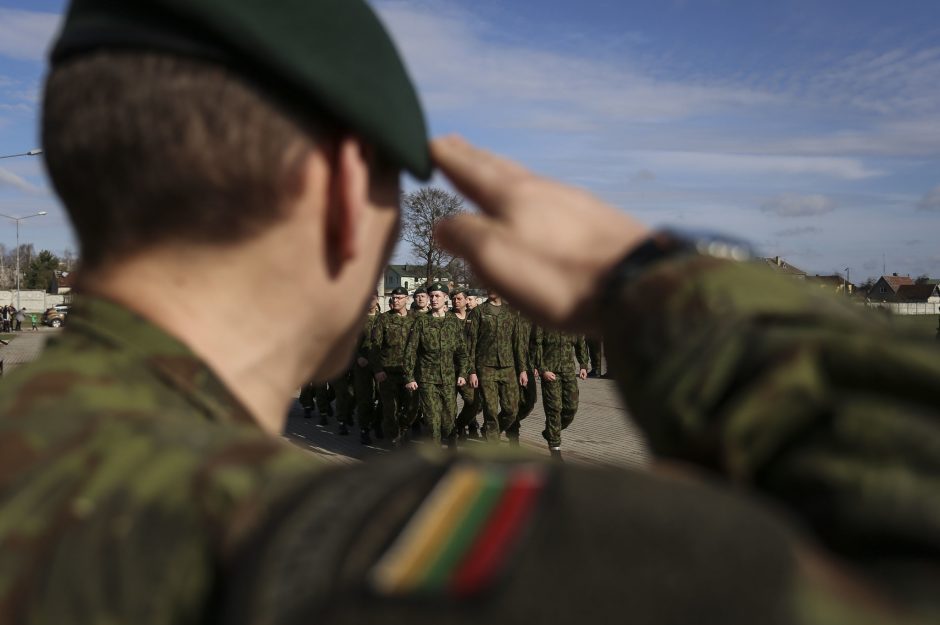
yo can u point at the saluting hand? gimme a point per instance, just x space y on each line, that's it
547 246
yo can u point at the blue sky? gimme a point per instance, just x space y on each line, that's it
811 128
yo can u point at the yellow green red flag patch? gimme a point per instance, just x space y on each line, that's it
459 537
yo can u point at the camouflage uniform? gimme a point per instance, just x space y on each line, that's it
363 380
497 355
435 357
467 418
528 394
387 353
555 352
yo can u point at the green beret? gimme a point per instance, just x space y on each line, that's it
399 290
329 58
437 286
421 289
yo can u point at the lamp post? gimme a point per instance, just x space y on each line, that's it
33 152
18 220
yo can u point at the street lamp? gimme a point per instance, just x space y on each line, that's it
18 220
33 152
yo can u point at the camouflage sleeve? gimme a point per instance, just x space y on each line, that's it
581 352
820 404
411 347
520 343
537 336
365 341
375 345
473 335
460 349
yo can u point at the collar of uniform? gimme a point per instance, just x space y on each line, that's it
170 360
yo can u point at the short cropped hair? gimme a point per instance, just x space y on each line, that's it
147 149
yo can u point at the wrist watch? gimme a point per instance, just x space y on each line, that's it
673 243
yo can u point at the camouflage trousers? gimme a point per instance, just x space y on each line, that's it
439 406
399 405
471 405
343 389
560 402
365 393
315 396
528 396
500 389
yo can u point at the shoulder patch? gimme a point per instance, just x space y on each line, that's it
459 538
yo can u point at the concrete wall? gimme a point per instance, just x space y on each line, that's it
909 308
32 301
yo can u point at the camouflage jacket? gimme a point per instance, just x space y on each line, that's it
365 339
436 352
495 338
389 337
128 476
528 333
556 351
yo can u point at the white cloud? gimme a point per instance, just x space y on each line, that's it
459 67
798 205
749 164
930 201
797 232
27 35
9 179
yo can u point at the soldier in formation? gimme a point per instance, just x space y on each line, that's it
364 382
387 358
554 356
466 422
436 361
498 366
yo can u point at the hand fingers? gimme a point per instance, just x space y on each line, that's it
480 175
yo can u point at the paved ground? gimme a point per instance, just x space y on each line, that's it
601 433
24 347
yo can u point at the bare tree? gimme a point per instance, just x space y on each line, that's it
422 211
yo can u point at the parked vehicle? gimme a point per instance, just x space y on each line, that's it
55 316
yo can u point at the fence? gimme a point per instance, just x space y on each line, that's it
908 308
32 301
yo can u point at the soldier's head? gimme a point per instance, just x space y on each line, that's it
459 298
421 298
233 135
493 295
472 300
437 294
398 300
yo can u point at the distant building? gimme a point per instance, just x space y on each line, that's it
886 288
409 277
784 267
834 283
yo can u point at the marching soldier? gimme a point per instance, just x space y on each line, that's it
436 359
387 358
554 355
363 381
498 366
466 421
421 302
528 394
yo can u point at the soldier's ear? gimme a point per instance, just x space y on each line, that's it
349 187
